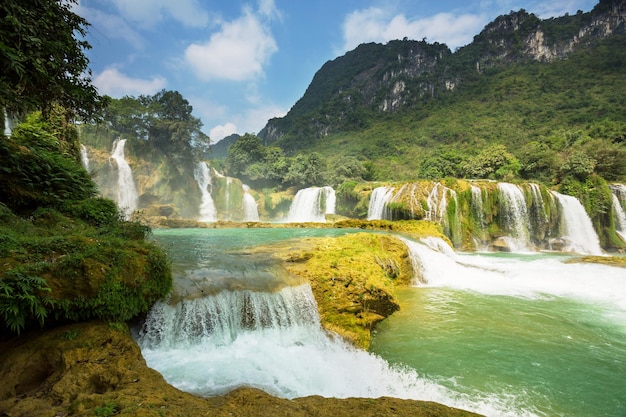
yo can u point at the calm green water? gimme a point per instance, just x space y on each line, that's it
553 356
533 335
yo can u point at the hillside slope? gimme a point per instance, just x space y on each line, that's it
418 109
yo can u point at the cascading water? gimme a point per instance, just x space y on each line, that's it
126 192
312 204
619 216
576 226
495 334
202 174
378 203
437 203
7 124
250 211
274 342
514 216
84 157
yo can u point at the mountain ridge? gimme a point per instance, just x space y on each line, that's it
375 79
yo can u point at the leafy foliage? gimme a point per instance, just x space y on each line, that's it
42 58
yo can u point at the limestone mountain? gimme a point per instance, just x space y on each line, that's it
407 82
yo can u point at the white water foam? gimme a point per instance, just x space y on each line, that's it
522 276
250 210
514 215
274 342
312 204
127 198
378 203
578 230
207 210
84 157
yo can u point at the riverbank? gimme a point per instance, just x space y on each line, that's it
96 368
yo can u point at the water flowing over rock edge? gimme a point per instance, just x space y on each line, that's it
85 368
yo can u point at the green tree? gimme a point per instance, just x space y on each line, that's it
42 60
538 161
494 162
247 150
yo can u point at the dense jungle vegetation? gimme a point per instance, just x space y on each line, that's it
66 254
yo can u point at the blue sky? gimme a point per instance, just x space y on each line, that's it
240 63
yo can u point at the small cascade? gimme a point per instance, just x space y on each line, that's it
377 209
312 205
437 203
431 259
576 226
250 211
207 210
537 208
227 208
514 216
8 125
619 203
127 192
221 318
84 157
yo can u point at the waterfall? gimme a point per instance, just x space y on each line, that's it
126 191
437 203
576 225
514 215
84 157
378 203
250 212
207 210
312 204
537 207
221 318
619 203
8 125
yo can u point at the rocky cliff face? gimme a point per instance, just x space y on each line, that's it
375 78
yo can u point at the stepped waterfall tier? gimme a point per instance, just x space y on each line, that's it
312 205
250 210
207 210
487 215
495 334
578 231
126 197
377 209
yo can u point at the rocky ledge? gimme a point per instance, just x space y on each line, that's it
95 368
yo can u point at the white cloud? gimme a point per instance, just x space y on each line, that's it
237 52
219 132
116 84
111 25
379 25
149 12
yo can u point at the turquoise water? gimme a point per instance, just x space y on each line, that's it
499 334
552 356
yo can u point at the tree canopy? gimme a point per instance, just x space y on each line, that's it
42 59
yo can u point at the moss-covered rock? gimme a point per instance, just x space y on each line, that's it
95 368
353 278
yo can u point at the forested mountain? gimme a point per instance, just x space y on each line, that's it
525 98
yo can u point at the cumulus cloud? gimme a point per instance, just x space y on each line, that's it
237 52
149 12
116 84
379 25
221 131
